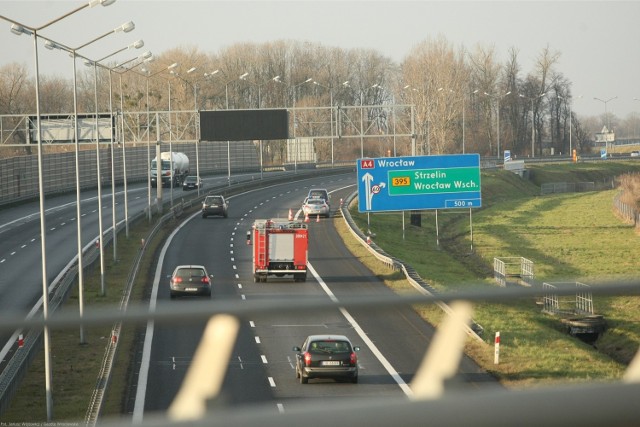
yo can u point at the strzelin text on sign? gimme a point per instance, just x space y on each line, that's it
419 183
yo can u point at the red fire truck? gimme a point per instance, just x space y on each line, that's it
280 247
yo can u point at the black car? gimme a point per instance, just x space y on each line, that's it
190 280
327 356
191 183
215 205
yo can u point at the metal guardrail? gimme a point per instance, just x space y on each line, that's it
395 264
628 212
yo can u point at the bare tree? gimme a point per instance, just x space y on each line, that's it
583 137
485 76
14 89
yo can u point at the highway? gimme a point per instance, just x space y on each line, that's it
261 370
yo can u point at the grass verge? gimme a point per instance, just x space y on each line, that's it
75 366
570 237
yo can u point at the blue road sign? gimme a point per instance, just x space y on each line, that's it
419 183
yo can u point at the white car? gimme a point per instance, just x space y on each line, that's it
316 206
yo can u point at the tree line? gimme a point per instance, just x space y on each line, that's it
461 97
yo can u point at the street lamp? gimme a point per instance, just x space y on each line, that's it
148 74
135 45
606 115
570 114
49 44
95 64
293 87
226 97
195 102
463 113
147 56
259 86
20 29
330 88
195 122
346 84
533 125
426 122
171 177
497 98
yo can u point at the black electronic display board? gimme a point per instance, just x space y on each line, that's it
243 125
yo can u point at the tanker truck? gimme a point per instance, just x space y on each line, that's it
180 169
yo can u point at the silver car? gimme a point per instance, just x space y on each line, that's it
316 206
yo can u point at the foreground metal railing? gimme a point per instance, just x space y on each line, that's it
611 404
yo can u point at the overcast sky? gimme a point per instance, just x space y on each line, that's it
598 41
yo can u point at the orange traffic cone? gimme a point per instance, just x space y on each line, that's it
318 218
368 240
290 215
306 217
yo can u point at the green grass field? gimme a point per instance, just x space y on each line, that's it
568 236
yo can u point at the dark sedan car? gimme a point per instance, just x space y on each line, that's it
215 205
327 356
191 183
190 280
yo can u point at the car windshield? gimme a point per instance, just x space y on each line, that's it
214 200
191 179
330 346
186 273
315 202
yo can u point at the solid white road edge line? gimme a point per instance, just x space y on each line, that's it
390 369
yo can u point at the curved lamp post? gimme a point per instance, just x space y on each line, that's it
226 96
330 89
498 98
293 87
196 118
148 74
533 125
144 57
570 114
136 45
19 29
606 115
95 65
243 77
50 44
607 118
